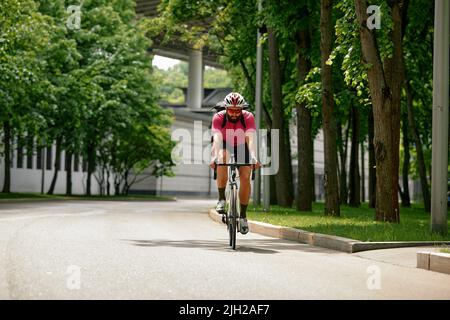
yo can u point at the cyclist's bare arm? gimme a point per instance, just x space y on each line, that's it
217 141
250 137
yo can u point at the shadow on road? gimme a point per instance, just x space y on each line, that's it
260 246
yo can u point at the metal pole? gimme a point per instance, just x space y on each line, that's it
267 192
266 177
258 107
439 161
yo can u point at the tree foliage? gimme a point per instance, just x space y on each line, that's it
91 88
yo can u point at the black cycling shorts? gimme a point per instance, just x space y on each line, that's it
241 152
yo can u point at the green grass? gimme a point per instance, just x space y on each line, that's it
445 250
38 196
354 223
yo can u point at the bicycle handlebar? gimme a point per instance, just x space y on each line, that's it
234 165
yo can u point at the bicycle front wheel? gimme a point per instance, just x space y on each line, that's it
232 220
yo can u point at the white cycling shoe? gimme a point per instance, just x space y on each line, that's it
220 208
243 225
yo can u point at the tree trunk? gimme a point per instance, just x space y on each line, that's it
108 184
273 193
312 177
385 89
305 162
68 173
57 166
283 190
117 189
304 123
406 202
101 180
354 167
7 144
341 168
343 190
418 145
372 166
125 184
289 162
329 121
91 167
273 186
363 174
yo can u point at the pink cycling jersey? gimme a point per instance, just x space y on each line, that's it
233 133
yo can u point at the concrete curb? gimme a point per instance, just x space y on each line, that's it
324 240
433 261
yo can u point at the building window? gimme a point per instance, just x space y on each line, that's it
20 152
84 165
39 158
11 162
67 161
59 160
76 163
30 152
19 157
49 158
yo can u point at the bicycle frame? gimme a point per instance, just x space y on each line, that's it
233 214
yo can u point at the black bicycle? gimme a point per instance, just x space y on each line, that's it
231 218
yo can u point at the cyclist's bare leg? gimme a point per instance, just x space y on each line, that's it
245 187
222 177
222 171
244 196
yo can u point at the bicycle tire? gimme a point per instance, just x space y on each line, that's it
229 218
233 219
229 213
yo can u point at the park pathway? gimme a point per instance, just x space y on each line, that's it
173 250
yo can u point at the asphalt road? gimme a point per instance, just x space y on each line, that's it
173 250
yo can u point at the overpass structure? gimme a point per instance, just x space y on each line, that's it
175 49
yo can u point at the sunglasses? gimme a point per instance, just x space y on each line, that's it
234 111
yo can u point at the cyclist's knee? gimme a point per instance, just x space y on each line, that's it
222 176
245 180
244 174
224 155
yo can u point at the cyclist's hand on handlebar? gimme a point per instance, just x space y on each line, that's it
213 163
256 164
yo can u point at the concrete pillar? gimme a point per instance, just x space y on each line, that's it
195 79
440 117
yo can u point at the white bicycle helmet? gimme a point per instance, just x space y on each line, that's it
234 100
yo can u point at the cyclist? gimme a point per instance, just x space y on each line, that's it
234 132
